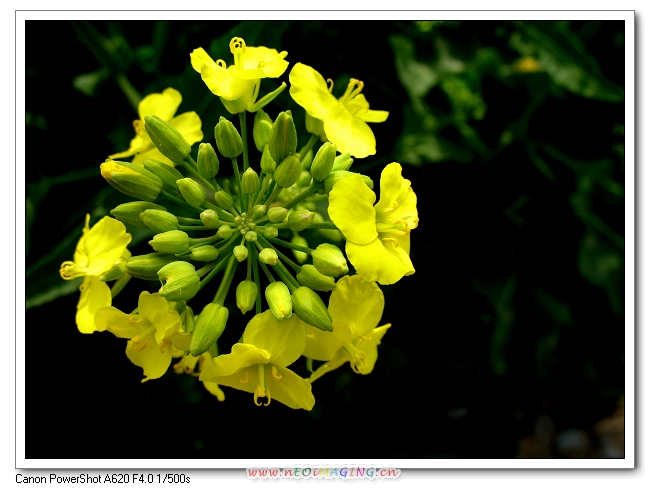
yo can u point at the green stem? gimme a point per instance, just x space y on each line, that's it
322 225
289 262
273 195
119 285
214 271
312 189
228 275
189 221
194 228
195 174
291 245
223 215
180 202
256 276
244 137
262 192
235 168
308 146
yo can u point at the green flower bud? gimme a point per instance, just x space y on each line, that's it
228 139
207 161
191 191
258 211
329 260
310 308
299 220
223 199
268 256
209 218
301 257
171 242
167 139
208 326
277 214
146 267
335 176
270 231
283 139
118 271
267 164
312 278
304 179
167 174
187 320
131 180
287 172
180 281
250 182
323 161
246 295
204 253
130 212
240 252
250 236
159 221
342 162
278 298
224 232
261 129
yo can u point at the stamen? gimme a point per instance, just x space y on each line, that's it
237 43
268 396
274 373
392 241
259 392
221 64
70 270
245 379
330 84
357 358
164 344
391 208
136 341
138 125
365 338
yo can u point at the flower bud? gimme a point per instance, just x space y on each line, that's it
335 176
191 191
268 256
342 162
246 295
301 256
310 308
117 272
277 214
131 180
146 267
224 232
312 278
130 212
167 174
159 221
223 199
258 211
171 242
270 231
299 220
240 252
209 218
187 320
167 139
287 172
228 139
267 164
278 298
181 282
323 161
329 260
283 139
250 182
208 326
204 253
261 129
207 161
250 236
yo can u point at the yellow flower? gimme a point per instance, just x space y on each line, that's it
187 365
258 364
378 241
238 84
98 251
154 333
356 306
164 105
344 119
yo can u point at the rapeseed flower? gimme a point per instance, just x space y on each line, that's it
344 120
378 238
101 248
356 306
163 105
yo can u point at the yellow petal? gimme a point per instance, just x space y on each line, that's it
245 379
153 153
291 389
95 295
349 133
360 108
138 144
119 323
213 388
103 245
369 347
242 356
357 303
351 209
309 90
339 359
271 62
284 340
152 357
189 125
199 57
164 104
322 345
397 199
379 262
224 82
154 308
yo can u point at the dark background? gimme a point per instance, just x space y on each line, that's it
508 341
